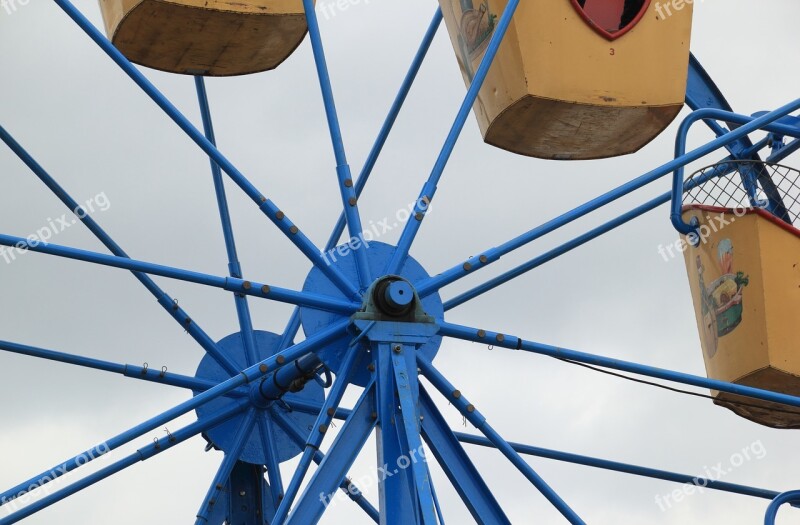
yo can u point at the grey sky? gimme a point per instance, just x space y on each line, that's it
98 134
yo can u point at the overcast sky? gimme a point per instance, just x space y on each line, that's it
99 135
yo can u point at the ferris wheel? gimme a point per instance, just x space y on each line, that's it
562 80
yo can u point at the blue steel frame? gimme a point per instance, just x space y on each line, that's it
395 402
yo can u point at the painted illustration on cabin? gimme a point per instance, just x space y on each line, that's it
611 18
722 300
477 23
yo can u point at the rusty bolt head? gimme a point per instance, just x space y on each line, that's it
348 183
457 394
265 289
323 429
397 349
419 216
280 215
481 333
467 267
500 338
331 412
470 408
294 230
484 259
281 360
371 367
263 369
247 285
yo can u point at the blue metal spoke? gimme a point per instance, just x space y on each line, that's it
142 454
246 376
583 239
135 372
355 432
226 283
407 420
271 452
349 200
429 189
428 428
772 511
225 469
494 254
624 468
347 486
334 466
234 267
479 422
294 323
164 300
514 343
278 217
458 466
314 440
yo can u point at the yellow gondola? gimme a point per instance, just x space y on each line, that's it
745 281
575 79
206 37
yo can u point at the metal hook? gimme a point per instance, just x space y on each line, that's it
155 441
145 366
170 437
175 304
163 371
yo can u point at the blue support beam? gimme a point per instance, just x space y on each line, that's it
321 489
230 284
458 467
234 267
422 204
142 454
477 419
166 302
246 376
269 208
772 511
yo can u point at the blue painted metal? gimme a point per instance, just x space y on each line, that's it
132 371
772 511
469 411
512 342
246 376
319 428
320 491
315 320
225 436
747 126
578 241
247 498
267 432
167 302
245 427
494 254
347 487
703 92
268 207
458 467
626 468
294 321
142 454
234 267
429 189
349 200
231 284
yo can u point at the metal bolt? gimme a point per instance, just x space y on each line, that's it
263 199
371 367
280 215
247 285
457 394
323 429
500 338
481 333
243 493
348 183
294 230
467 267
484 259
331 412
374 415
263 369
419 216
353 201
398 349
265 289
281 359
470 408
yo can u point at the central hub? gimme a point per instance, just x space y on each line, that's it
390 298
